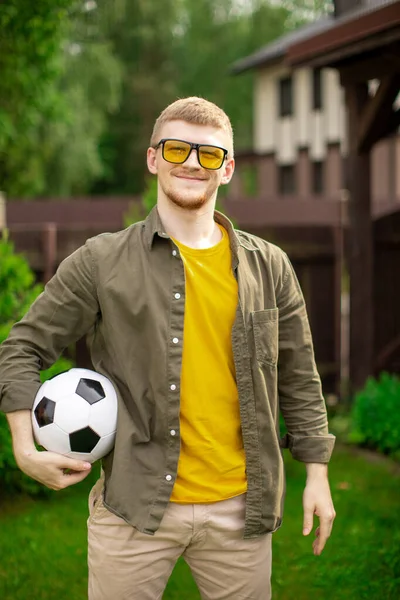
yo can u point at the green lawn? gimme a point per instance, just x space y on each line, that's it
43 542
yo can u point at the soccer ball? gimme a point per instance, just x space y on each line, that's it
75 414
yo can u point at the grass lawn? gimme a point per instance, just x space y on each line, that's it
43 542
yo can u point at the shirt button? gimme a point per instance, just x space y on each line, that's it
174 253
177 296
173 387
173 432
175 340
168 477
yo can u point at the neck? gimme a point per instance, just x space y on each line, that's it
193 228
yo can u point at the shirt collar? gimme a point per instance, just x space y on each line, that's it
153 226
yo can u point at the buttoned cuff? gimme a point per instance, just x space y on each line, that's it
309 449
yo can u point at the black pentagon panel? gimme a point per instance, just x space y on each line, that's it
83 440
44 412
90 390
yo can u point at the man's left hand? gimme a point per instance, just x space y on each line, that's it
317 500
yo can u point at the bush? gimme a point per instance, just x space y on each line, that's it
149 200
375 415
17 292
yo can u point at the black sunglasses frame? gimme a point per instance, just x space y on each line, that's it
192 147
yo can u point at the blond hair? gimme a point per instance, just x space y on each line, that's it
193 110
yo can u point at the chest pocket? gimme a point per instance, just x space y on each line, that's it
266 335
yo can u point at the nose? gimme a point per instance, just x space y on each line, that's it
191 160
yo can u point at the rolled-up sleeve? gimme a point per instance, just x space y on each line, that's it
299 385
65 311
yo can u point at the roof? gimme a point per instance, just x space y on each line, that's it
342 7
276 50
373 25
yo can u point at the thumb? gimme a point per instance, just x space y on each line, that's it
75 465
308 521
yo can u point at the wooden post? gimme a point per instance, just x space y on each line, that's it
360 242
341 354
49 250
2 211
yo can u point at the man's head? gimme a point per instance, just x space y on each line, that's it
189 184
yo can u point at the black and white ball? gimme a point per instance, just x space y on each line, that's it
75 414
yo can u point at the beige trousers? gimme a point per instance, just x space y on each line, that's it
125 564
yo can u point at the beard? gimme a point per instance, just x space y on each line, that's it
183 202
188 201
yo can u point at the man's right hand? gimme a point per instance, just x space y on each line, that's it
53 470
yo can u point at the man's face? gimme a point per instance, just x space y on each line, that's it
189 185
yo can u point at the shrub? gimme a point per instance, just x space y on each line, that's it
375 414
149 200
17 292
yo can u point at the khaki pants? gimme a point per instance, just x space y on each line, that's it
125 564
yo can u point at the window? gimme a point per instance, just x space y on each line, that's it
318 177
285 97
317 89
287 184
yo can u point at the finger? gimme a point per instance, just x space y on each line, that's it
308 520
323 534
72 478
64 462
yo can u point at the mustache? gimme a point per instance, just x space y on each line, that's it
191 172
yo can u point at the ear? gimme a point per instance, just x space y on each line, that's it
228 171
152 160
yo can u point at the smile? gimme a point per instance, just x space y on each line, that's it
190 178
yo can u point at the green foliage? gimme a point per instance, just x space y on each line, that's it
83 82
375 414
30 51
17 292
60 82
17 289
149 200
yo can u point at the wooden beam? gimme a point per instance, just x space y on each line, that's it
360 243
377 112
371 66
393 123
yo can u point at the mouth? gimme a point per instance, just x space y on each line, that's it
190 178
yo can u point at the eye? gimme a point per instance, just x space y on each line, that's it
179 149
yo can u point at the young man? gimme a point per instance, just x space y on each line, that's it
203 331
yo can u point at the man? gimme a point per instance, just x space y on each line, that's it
203 331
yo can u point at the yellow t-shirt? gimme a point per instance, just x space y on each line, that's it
212 461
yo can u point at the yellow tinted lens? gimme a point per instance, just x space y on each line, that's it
176 152
211 157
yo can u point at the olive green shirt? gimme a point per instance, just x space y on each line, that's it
126 290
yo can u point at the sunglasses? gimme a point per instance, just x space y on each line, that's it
178 151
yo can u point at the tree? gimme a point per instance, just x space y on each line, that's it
30 40
307 10
142 35
59 83
179 48
214 37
